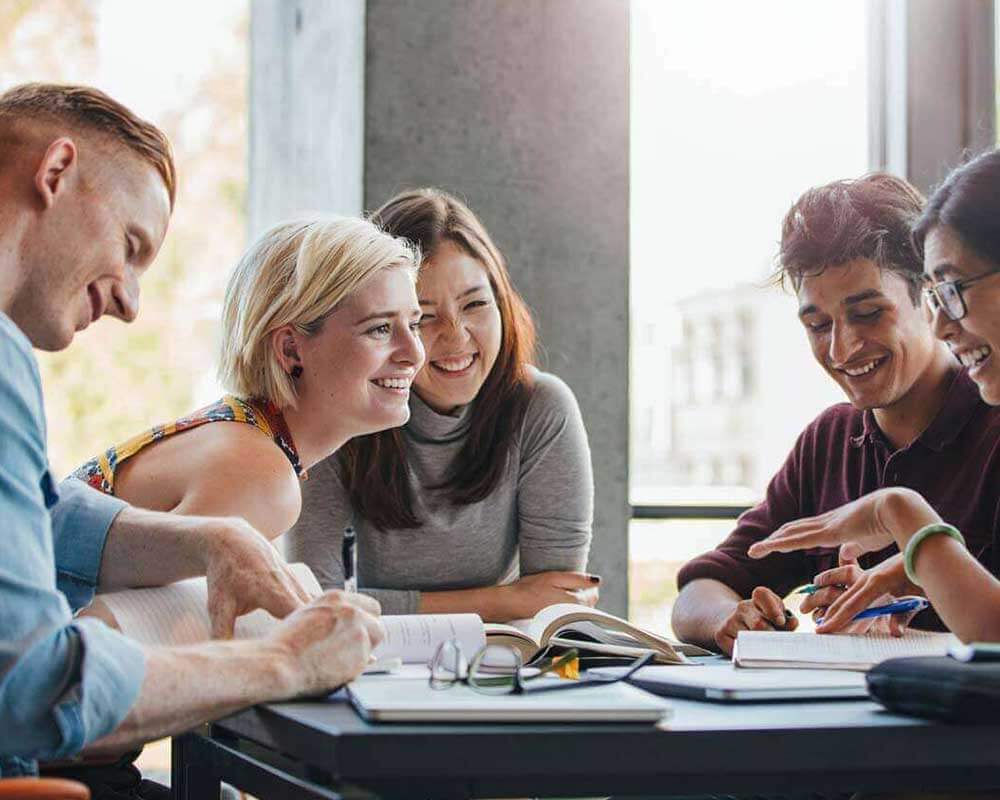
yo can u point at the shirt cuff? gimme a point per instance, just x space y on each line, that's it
111 675
80 523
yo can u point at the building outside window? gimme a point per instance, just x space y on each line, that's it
732 118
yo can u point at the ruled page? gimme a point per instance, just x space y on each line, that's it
836 651
415 638
178 613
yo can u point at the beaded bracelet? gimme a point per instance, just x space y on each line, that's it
910 554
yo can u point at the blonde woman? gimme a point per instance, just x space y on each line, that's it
320 344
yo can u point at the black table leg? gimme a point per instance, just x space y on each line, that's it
192 776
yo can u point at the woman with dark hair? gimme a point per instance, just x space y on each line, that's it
483 502
959 235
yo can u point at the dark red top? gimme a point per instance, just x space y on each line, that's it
843 455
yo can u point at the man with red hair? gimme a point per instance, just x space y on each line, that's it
87 189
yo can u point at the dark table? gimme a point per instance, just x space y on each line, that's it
325 750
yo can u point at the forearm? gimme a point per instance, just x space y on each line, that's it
150 548
942 564
700 610
186 686
487 601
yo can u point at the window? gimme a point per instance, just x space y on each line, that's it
736 109
163 363
191 80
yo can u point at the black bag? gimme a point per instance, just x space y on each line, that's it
938 688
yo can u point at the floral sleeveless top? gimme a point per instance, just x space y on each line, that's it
100 472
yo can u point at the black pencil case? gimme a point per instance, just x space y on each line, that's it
938 688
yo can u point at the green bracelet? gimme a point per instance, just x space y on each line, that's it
910 554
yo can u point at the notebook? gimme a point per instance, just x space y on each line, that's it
833 651
403 699
726 683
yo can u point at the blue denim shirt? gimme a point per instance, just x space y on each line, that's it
63 682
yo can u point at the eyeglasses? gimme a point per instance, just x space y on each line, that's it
947 295
497 669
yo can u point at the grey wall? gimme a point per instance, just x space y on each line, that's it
306 108
522 109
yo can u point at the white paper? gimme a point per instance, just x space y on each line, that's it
178 613
839 651
415 638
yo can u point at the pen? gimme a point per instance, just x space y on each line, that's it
812 588
788 616
899 607
349 555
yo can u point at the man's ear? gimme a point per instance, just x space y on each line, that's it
286 348
57 165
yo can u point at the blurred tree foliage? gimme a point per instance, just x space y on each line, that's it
116 380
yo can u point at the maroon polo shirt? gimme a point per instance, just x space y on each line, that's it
843 455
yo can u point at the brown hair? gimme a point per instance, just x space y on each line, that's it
870 217
92 110
374 468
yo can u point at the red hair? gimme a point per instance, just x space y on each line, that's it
89 109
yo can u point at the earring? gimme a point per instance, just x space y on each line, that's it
296 371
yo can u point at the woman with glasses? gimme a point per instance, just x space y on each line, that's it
483 501
959 234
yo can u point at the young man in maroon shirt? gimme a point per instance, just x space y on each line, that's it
914 419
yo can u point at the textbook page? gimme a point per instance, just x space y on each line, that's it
415 638
833 651
177 614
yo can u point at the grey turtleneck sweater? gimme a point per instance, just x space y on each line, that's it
537 519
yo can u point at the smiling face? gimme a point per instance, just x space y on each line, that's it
460 327
975 338
866 332
86 250
358 368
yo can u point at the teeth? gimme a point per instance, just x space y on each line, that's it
862 370
394 383
972 357
454 364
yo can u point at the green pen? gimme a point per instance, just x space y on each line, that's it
812 588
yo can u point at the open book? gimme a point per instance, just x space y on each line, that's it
177 614
833 651
594 633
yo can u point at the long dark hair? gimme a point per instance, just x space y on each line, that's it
374 468
968 202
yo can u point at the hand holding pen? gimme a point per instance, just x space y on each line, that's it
847 590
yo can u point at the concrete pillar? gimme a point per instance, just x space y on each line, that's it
306 109
521 108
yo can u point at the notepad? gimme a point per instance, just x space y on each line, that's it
833 651
403 699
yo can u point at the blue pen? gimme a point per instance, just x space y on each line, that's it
903 606
899 607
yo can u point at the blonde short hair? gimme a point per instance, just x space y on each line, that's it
296 274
